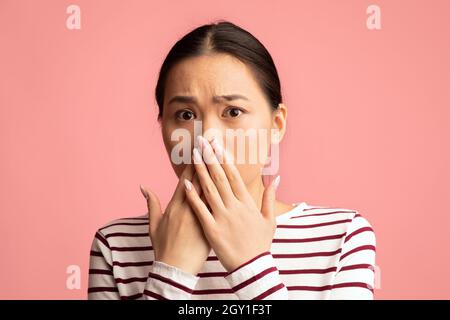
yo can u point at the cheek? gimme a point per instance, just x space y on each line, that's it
183 138
166 133
252 155
251 160
257 148
182 146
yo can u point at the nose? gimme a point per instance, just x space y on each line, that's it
210 128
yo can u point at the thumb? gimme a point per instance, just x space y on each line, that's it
154 207
268 200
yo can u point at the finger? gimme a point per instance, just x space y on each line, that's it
198 188
178 194
154 208
209 188
196 183
216 171
238 186
268 201
199 207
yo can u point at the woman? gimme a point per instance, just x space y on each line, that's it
224 235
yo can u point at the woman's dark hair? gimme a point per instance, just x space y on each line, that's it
224 37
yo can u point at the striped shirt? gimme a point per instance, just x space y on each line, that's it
316 253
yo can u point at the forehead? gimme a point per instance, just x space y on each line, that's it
208 75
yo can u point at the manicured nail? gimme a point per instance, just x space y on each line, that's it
188 184
216 145
218 150
276 182
205 143
144 192
200 142
197 156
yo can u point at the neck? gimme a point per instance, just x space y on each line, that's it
256 190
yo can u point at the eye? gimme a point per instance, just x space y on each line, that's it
184 115
234 112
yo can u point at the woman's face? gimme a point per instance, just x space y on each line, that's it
191 96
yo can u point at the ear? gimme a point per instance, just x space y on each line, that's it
279 123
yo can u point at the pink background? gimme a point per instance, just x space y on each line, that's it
368 126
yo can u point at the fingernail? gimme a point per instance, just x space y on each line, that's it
206 143
276 182
218 150
216 145
144 192
200 142
188 184
197 156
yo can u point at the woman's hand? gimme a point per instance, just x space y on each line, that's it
176 235
235 227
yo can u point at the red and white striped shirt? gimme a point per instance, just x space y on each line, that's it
316 253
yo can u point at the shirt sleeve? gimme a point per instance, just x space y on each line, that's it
355 274
258 279
167 282
101 284
164 282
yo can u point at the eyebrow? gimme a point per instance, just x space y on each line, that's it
216 99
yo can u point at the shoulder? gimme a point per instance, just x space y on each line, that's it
123 224
117 236
127 226
350 222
